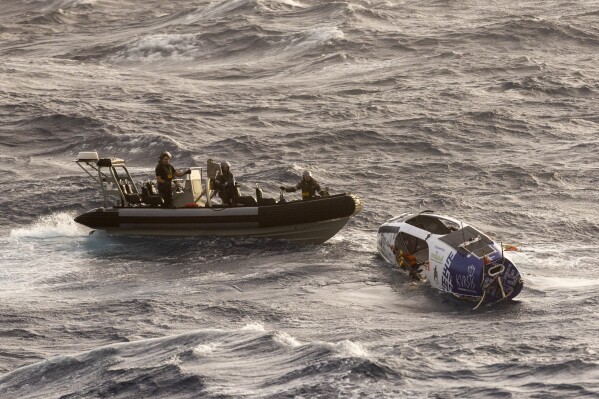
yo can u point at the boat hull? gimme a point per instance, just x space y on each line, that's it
459 260
313 221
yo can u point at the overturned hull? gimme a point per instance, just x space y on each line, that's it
451 256
313 221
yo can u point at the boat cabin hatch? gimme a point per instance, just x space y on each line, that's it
470 240
413 245
433 224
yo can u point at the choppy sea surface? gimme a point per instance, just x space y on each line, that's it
482 110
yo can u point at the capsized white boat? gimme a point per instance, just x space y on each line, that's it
129 210
451 255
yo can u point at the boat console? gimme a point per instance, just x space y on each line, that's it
117 186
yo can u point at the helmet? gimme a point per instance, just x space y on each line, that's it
225 164
306 173
165 154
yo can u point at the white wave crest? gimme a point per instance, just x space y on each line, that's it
253 327
63 4
316 37
151 48
51 226
204 349
191 46
349 348
286 340
275 4
220 8
75 3
324 34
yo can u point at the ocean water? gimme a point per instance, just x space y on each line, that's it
485 111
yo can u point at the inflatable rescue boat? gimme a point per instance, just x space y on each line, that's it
130 210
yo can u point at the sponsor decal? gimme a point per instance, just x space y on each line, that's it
440 249
435 275
510 278
438 258
446 276
466 282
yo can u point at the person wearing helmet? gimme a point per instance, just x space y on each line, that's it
308 185
165 172
226 185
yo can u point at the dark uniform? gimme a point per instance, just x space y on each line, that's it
166 172
309 188
225 183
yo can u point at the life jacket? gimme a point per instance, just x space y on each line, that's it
411 259
404 258
309 188
225 177
168 173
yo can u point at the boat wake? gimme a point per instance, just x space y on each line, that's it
55 225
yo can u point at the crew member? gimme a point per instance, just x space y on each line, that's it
407 261
308 185
164 175
226 185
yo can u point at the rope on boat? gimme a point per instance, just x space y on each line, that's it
495 272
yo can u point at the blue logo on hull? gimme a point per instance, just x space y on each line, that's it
446 276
